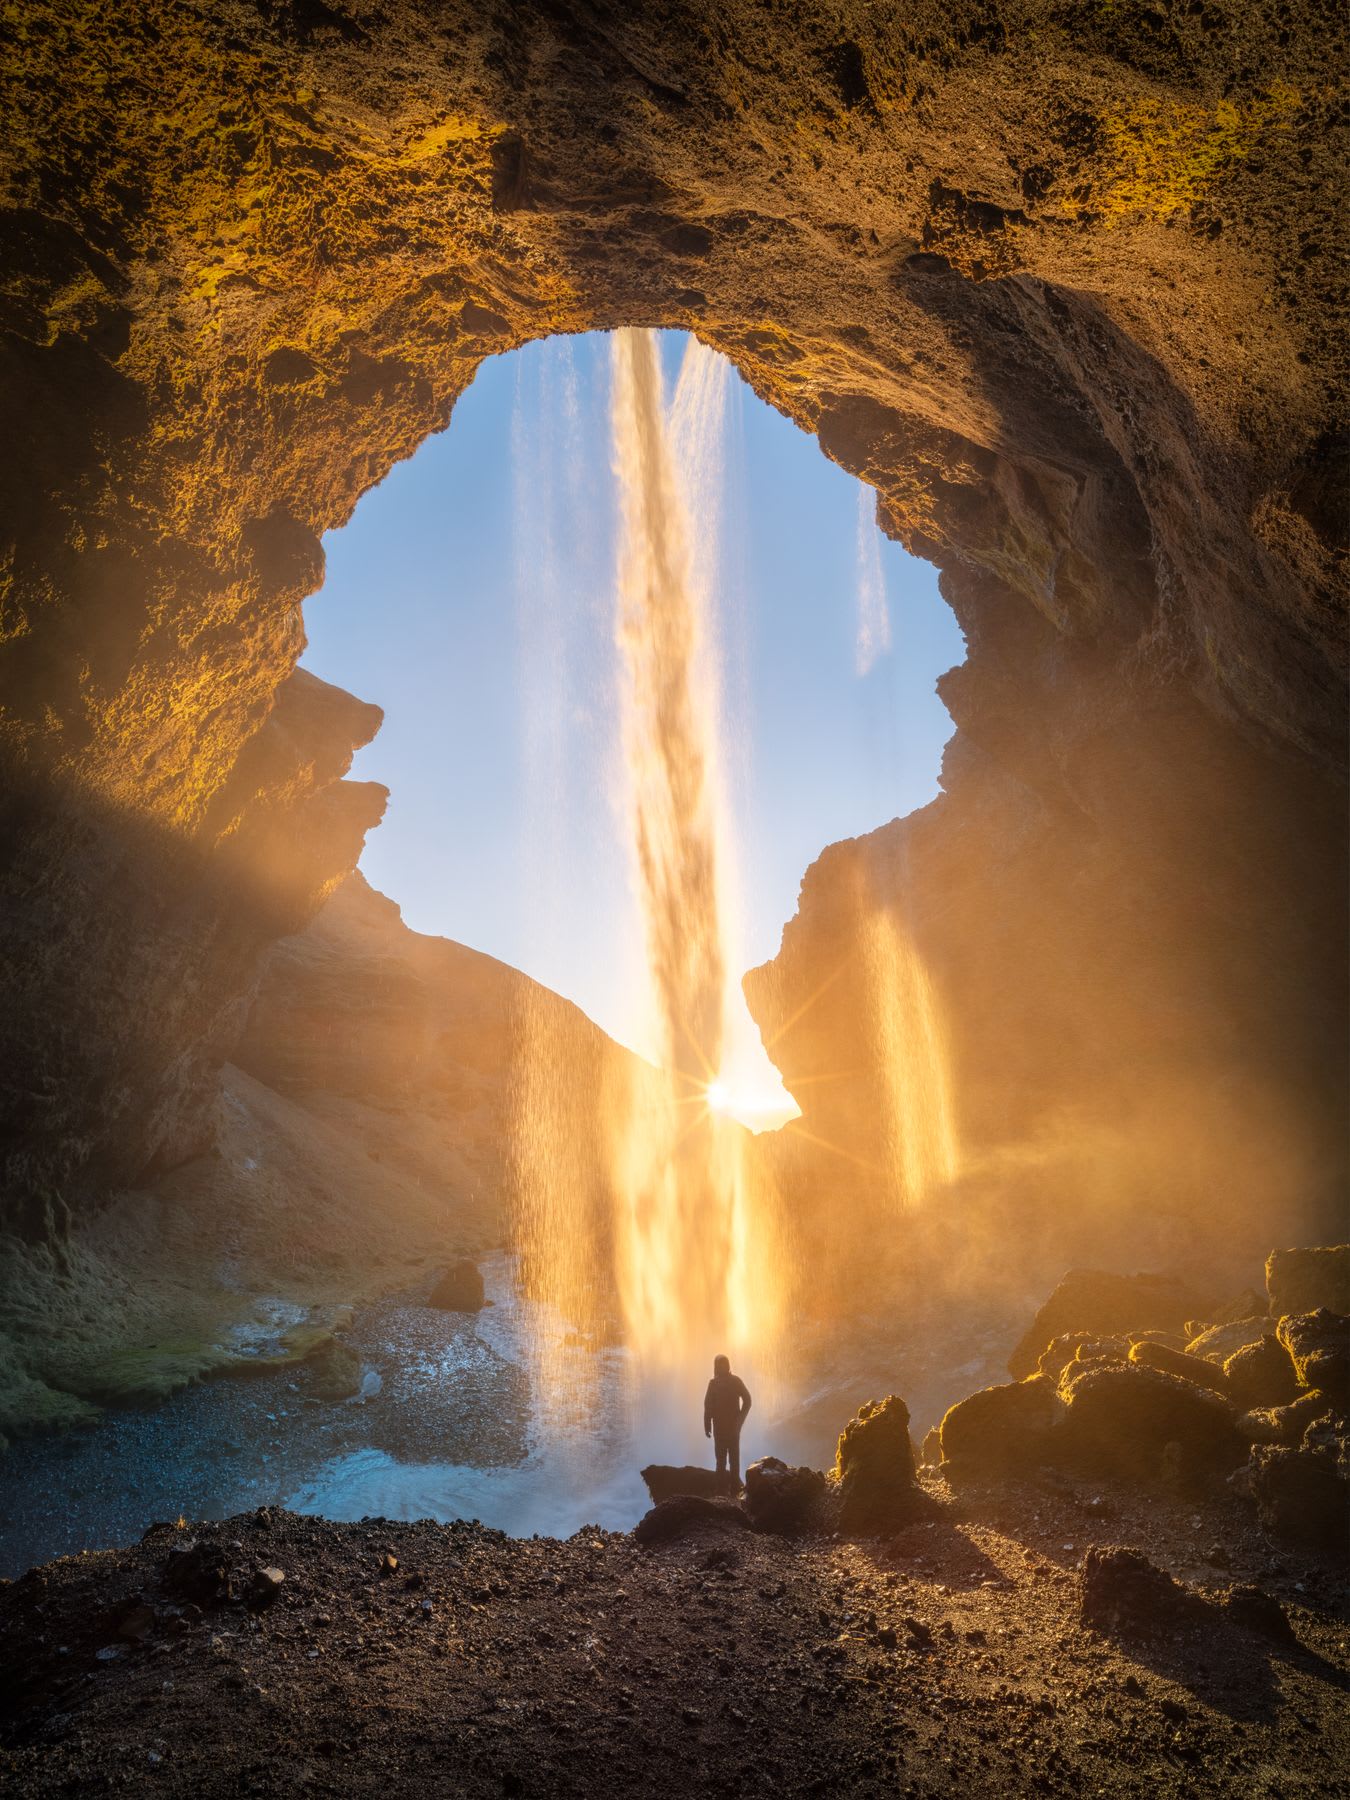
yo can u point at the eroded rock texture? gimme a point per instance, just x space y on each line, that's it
1058 283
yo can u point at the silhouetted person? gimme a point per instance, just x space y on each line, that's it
725 1405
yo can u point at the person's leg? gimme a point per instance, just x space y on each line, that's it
734 1454
720 1446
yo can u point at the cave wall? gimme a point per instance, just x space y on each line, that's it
1060 285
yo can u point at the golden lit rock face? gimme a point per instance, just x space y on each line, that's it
1062 294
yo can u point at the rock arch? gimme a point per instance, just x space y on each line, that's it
1058 287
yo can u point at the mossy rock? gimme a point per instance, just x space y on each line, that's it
146 1372
1000 1430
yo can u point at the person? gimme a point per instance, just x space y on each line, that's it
725 1405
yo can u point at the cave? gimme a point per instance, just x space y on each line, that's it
240 304
1060 286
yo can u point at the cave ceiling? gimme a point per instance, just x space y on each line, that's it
1058 282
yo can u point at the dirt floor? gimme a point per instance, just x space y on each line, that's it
950 1659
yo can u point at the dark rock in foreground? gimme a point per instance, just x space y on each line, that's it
1319 1348
1261 1374
1001 1430
684 1515
1123 1418
1299 1494
1124 1593
783 1499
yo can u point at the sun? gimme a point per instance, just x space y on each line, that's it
718 1096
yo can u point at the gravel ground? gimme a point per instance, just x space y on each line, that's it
949 1659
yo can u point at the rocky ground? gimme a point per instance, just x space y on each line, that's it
448 1659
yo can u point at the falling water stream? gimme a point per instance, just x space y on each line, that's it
695 1263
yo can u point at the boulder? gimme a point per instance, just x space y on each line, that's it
686 1515
1216 1343
1096 1302
874 1470
1124 1594
783 1499
334 1372
1000 1430
1181 1363
1261 1374
1080 1346
1301 1281
1285 1424
930 1452
1319 1348
1299 1494
460 1289
664 1481
1122 1418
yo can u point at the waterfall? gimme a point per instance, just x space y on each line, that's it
909 1053
648 1222
873 624
697 1270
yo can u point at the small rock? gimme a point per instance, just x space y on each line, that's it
264 1588
1260 1612
1124 1592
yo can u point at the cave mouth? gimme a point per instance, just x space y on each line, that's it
1017 319
492 653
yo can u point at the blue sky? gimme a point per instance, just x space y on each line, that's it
472 597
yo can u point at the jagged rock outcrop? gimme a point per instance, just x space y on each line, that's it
1131 1408
1060 288
874 1479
